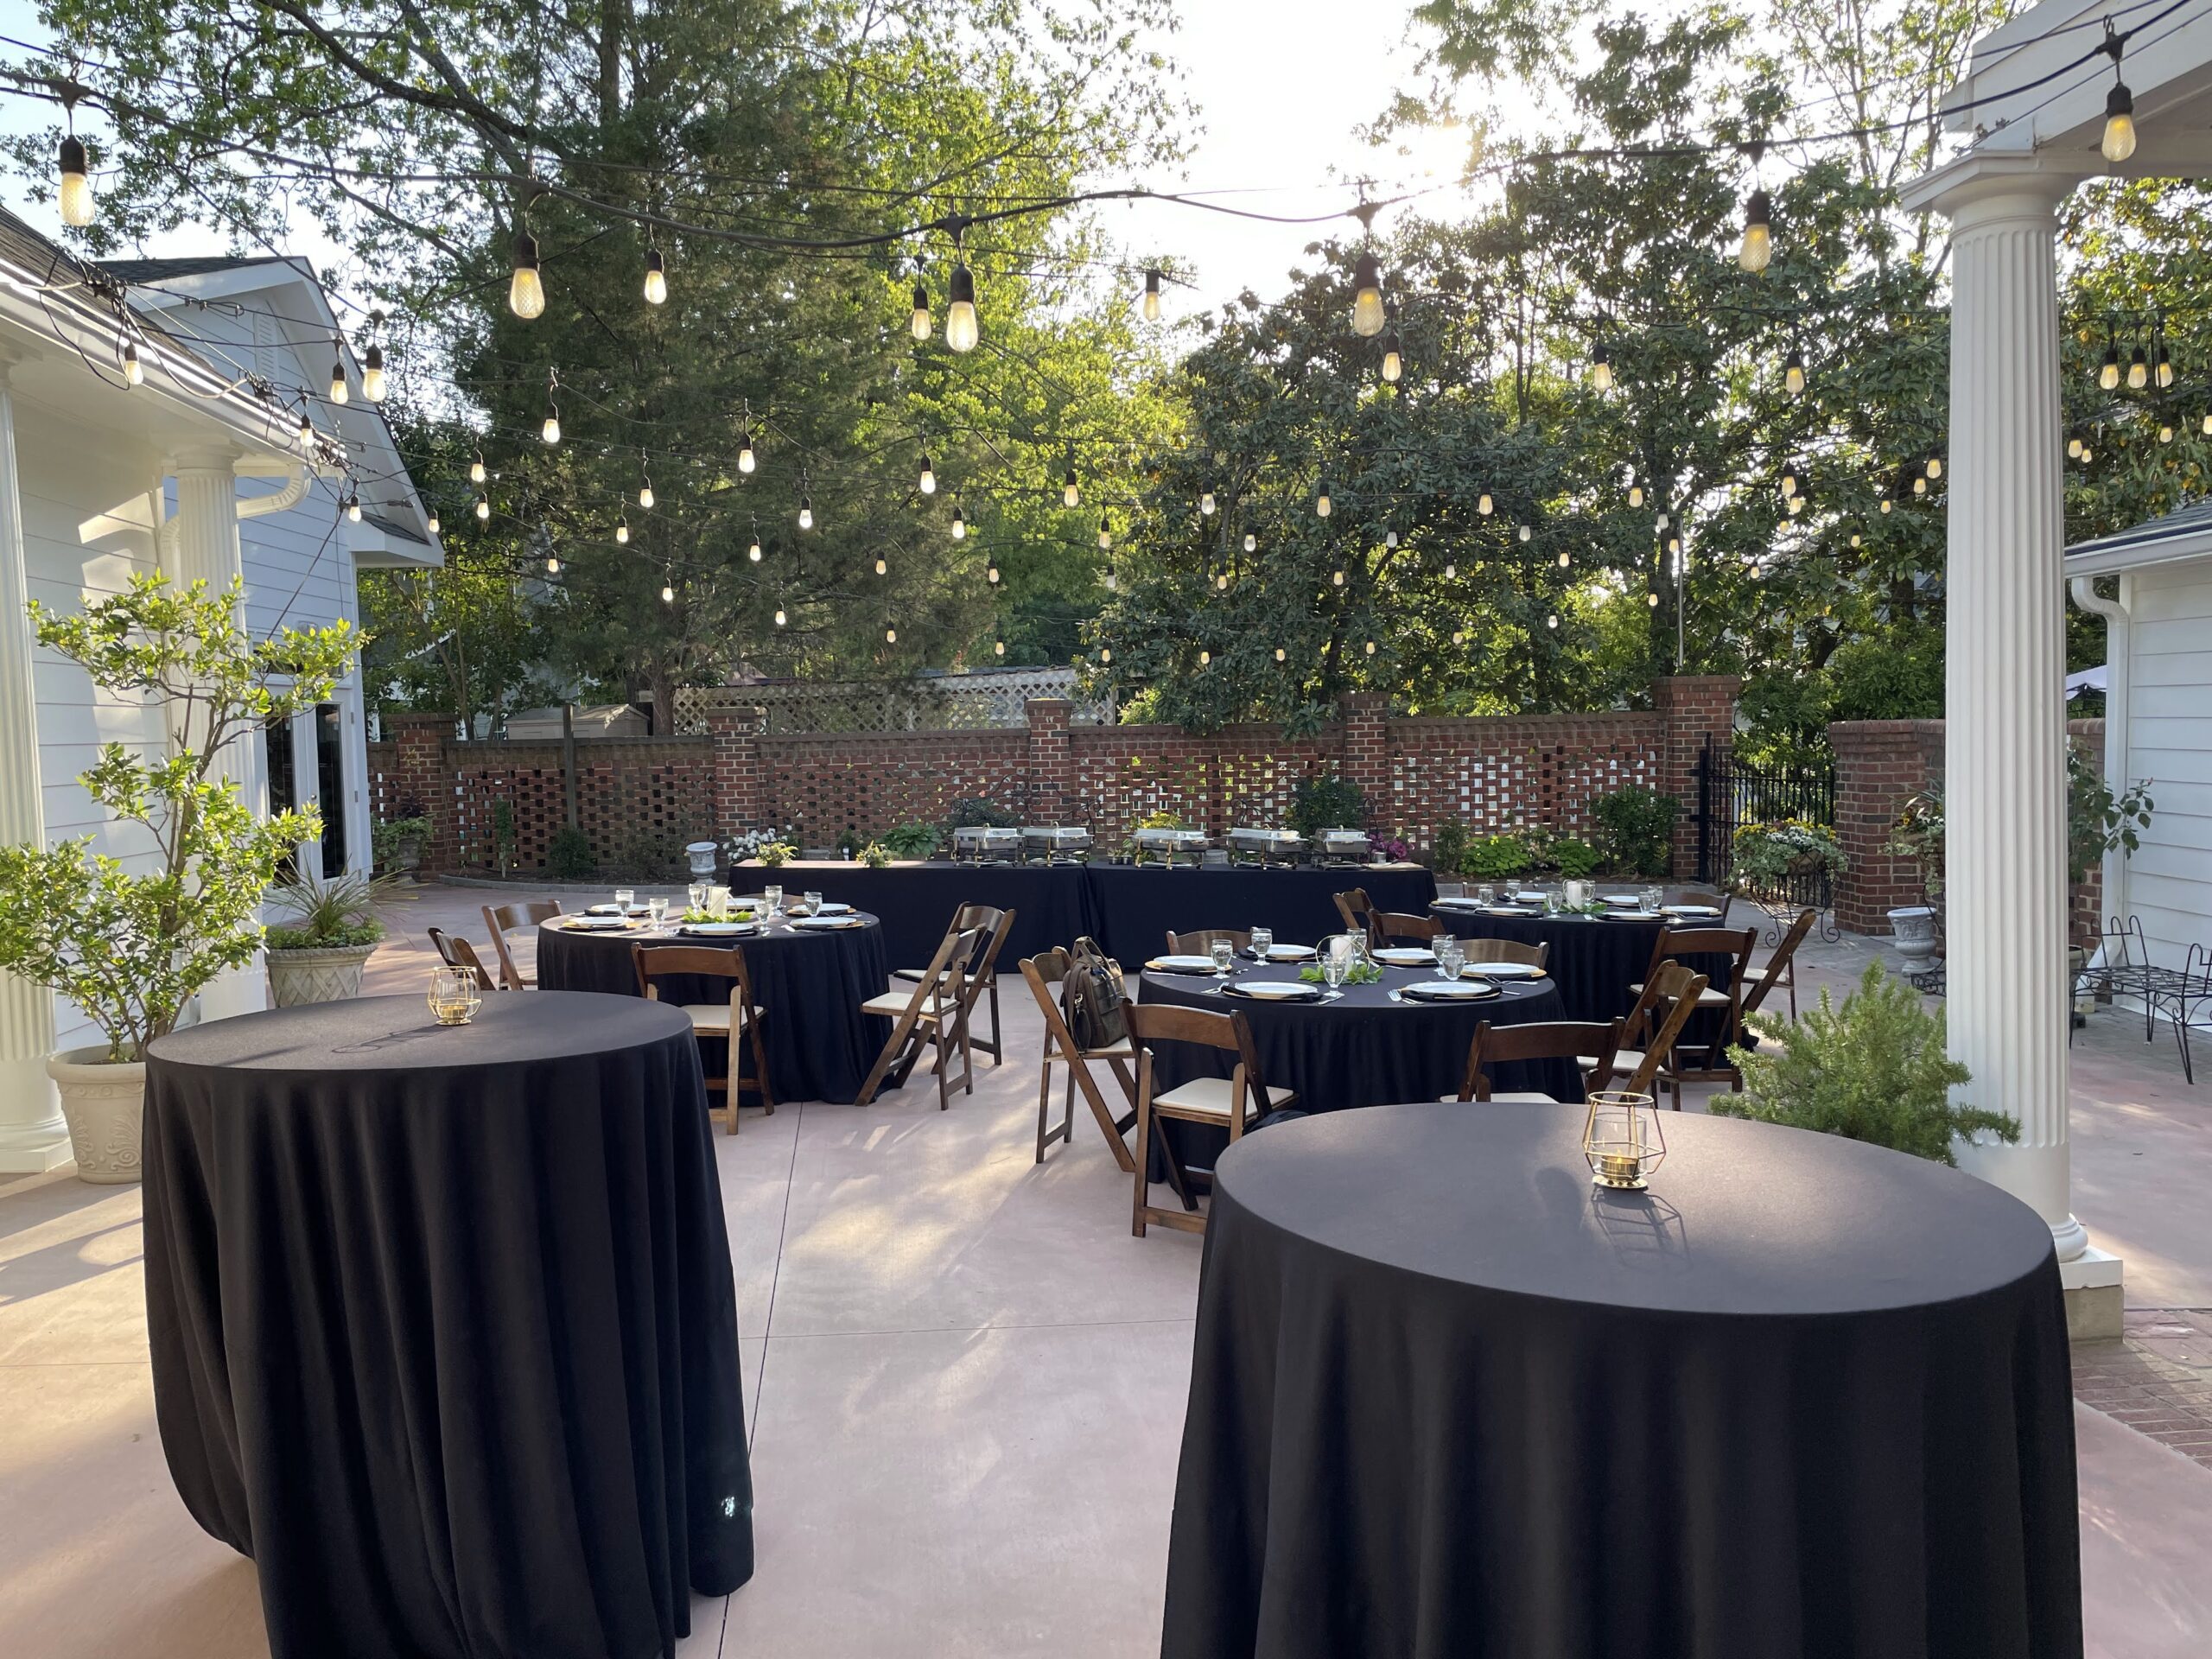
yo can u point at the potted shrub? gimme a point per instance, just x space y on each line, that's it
909 841
397 842
1765 857
328 930
1873 1070
132 943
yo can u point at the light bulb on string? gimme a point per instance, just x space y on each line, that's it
552 565
134 372
2166 369
338 389
806 512
1152 297
2074 446
1205 658
959 523
1855 538
656 278
373 384
752 545
1280 653
1112 582
431 523
307 431
1252 542
890 636
1221 583
622 532
2108 370
1205 504
1793 374
2138 370
1920 484
998 647
76 181
1486 506
1634 492
483 509
919 324
1551 622
1322 504
2207 427
551 430
1367 316
1935 464
882 567
745 460
1336 579
1525 532
1394 361
476 468
1105 655
1390 539
1789 479
354 507
1662 521
1564 558
962 329
927 482
1601 367
1451 570
1070 491
2165 433
1652 599
1888 505
1105 533
1758 247
2119 141
1458 636
1370 647
667 594
780 618
645 489
991 575
526 288
1796 506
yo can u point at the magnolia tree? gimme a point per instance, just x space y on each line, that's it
131 941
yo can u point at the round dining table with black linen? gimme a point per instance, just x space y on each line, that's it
810 984
1594 958
1136 906
444 1330
1804 1396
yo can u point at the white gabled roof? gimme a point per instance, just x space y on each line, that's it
2184 533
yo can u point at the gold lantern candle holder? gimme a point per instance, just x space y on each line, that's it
454 996
1621 1139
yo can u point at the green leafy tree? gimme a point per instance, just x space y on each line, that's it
130 948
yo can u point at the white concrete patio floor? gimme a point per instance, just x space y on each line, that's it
967 1382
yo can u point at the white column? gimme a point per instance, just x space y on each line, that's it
206 550
2004 787
33 1138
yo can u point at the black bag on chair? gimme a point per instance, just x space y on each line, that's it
1091 997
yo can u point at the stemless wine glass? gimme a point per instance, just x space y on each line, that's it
1649 900
657 909
624 898
775 897
1225 956
1263 940
1485 895
1450 956
454 997
813 902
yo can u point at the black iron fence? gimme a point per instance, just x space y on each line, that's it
1730 794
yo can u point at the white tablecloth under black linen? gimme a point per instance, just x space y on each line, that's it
820 1045
444 1326
1805 1397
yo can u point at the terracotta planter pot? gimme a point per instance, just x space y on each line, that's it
298 977
104 1101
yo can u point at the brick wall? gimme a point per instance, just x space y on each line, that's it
1694 710
1417 775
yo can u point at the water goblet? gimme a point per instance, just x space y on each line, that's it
454 996
1224 956
1335 961
695 896
775 900
657 910
1263 940
624 898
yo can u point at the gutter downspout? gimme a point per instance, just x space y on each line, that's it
294 491
2118 638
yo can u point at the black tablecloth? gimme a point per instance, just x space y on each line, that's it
444 1326
1594 960
916 902
1135 906
1806 1397
820 1045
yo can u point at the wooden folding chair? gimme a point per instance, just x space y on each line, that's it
1538 955
1780 968
1235 1101
1356 907
1200 943
724 1022
500 918
982 976
1710 1064
933 1014
1669 998
1389 926
457 952
1542 1040
1047 972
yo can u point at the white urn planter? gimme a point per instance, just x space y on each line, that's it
298 977
103 1103
1914 928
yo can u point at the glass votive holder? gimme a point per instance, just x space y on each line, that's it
1622 1139
454 996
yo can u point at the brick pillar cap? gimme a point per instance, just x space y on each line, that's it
1048 704
1361 700
1666 683
1861 730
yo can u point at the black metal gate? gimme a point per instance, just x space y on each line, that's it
1730 794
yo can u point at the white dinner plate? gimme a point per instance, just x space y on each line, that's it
827 924
1688 910
588 922
1287 953
602 910
1527 897
717 929
1461 903
1404 956
1448 990
832 907
1619 900
1502 970
1277 990
1181 964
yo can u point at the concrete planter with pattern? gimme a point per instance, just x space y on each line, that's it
103 1103
298 977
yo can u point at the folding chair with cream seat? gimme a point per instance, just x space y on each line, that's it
1357 909
500 918
1389 926
735 1018
1538 955
1234 1102
1200 943
982 975
1706 1062
1669 997
934 1013
1542 1039
1779 970
457 952
1046 973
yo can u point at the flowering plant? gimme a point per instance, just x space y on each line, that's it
757 843
875 856
1390 848
1765 855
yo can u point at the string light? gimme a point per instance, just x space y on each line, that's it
1070 491
1252 542
1280 653
483 509
1652 599
667 594
1551 622
1601 367
2165 368
1458 637
991 575
76 182
962 329
1854 538
745 461
927 483
1367 317
644 486
2108 370
1152 297
526 289
552 565
1758 234
890 636
1888 505
306 432
354 507
1105 534
656 278
1370 647
475 468
551 430
1526 532
1336 579
1634 492
1206 658
1793 374
431 523
2208 425
1920 484
2119 141
1484 506
780 616
1563 558
1789 479
134 372
1451 570
1105 655
337 372
1390 539
1221 583
372 376
2165 433
882 567
1393 363
2138 370
1935 464
806 512
2074 446
919 324
1205 504
1322 504
998 647
752 545
621 532
959 523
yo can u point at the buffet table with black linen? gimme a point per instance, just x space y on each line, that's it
811 985
1805 1396
444 1334
1135 906
916 902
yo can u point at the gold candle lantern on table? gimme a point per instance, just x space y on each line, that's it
1621 1139
454 996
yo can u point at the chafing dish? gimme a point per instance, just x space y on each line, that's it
1344 846
1053 843
986 843
1266 846
1165 845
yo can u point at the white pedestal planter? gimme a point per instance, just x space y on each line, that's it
297 977
103 1104
1914 926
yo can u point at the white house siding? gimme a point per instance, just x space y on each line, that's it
2169 880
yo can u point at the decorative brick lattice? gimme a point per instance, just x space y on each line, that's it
825 784
1494 775
638 801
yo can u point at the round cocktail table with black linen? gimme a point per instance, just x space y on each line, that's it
1804 1397
1361 1049
820 1045
444 1330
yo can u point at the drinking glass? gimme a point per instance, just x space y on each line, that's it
695 896
1485 895
624 898
1225 954
1336 960
454 997
775 897
813 901
1450 956
1263 940
657 910
1648 898
1356 950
